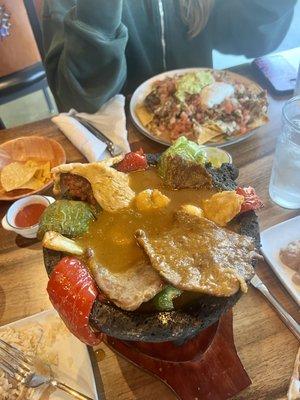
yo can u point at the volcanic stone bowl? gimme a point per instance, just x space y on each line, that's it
176 325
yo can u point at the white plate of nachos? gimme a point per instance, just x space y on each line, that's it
44 335
210 107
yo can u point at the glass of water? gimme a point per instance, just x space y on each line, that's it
285 179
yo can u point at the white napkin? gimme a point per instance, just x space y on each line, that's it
110 119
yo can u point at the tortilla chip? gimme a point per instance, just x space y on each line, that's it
44 172
16 174
218 139
40 178
110 187
33 184
207 134
143 115
32 174
212 126
155 131
258 122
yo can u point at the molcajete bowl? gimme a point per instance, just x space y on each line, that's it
176 325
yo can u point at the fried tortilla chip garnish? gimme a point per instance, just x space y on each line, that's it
196 255
110 187
222 207
151 199
55 241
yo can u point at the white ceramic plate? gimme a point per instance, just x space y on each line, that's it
74 365
145 88
275 238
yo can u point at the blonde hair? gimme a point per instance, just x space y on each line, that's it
195 14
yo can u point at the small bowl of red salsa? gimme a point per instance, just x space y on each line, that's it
23 216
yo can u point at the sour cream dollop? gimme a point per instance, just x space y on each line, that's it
215 93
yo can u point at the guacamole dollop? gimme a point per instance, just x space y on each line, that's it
192 83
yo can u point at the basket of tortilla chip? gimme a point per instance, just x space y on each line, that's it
25 165
148 247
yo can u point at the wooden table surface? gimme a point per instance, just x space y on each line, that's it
266 347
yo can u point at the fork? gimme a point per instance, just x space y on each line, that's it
23 369
283 314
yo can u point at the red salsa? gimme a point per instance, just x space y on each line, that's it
29 215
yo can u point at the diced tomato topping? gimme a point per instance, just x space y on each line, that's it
243 129
251 199
181 127
134 161
72 292
228 106
246 117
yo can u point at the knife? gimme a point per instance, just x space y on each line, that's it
112 148
283 314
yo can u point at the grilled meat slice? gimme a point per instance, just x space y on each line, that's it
129 289
196 255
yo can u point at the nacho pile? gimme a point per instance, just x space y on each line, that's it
206 106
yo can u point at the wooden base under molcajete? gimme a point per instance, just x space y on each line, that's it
205 367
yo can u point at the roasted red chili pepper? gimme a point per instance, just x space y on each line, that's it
72 292
134 161
251 199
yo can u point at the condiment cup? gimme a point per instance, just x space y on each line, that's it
8 221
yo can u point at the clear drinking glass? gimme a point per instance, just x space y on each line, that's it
285 179
297 87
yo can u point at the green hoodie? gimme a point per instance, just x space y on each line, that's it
97 48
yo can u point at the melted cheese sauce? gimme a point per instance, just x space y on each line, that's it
111 236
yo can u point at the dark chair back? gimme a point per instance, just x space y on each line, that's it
19 77
33 8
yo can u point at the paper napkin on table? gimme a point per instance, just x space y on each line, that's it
110 119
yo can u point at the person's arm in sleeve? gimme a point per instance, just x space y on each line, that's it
85 51
251 27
